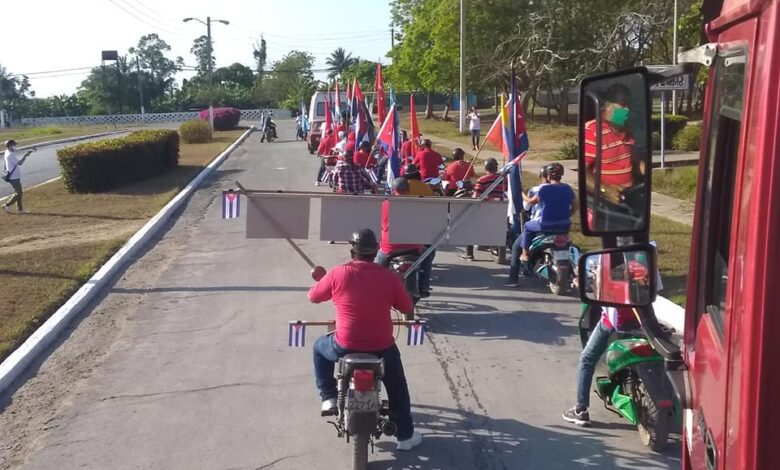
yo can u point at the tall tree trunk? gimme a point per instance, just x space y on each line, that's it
429 104
563 106
497 100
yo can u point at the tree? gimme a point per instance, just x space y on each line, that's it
14 90
204 55
156 70
338 62
259 53
290 80
363 70
237 74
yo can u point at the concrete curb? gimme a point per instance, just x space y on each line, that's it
73 139
13 366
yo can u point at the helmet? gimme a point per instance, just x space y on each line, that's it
411 169
426 143
363 242
491 164
554 171
9 143
458 154
365 145
543 172
400 185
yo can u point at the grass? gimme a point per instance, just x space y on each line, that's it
34 135
48 254
679 182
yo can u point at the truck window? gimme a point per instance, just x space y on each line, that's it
719 183
320 109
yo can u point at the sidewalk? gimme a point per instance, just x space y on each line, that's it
662 205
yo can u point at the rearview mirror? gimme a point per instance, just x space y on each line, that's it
615 153
619 277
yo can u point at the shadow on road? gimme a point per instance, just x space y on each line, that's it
459 439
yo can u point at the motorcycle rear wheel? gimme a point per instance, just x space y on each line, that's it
653 424
359 451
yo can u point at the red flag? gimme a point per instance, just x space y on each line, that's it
414 127
500 130
328 115
379 87
387 132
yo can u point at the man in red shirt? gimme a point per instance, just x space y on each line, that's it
458 170
325 150
363 293
428 160
406 150
363 157
484 182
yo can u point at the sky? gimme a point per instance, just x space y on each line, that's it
55 36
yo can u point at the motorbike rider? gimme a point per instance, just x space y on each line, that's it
483 184
558 203
363 157
428 160
269 127
535 212
325 151
458 170
363 294
349 178
416 186
401 187
612 319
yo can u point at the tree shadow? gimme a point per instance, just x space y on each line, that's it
175 179
8 272
462 439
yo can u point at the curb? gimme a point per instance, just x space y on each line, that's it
73 139
15 364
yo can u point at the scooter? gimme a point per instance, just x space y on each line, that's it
636 387
553 257
269 133
361 417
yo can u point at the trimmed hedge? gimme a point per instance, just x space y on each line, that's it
195 131
107 164
225 119
674 124
689 138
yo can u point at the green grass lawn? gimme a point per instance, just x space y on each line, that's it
679 182
34 135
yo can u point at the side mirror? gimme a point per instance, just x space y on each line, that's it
619 277
615 153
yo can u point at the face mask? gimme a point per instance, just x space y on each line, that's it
619 116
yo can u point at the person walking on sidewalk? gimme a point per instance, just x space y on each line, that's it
13 175
474 127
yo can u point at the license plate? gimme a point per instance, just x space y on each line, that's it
561 255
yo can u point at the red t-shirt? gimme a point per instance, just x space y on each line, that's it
361 158
363 293
428 160
326 145
616 150
406 152
484 182
385 244
459 171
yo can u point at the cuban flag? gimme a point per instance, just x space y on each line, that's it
231 204
296 337
364 126
416 334
389 137
304 118
357 99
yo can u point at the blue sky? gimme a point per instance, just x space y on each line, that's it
50 35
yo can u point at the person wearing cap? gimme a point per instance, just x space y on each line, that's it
459 169
363 294
14 175
428 160
363 157
349 178
325 151
416 185
341 145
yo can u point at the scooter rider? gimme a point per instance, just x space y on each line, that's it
535 212
363 293
558 204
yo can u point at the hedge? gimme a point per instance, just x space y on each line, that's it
195 131
689 138
225 119
107 164
674 124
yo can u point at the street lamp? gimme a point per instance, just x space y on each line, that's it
207 23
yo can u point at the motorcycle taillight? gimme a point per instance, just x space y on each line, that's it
402 267
643 350
363 380
561 240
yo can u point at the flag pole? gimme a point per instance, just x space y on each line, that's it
479 150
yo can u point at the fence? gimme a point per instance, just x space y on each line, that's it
149 118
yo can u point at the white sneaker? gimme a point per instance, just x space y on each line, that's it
329 407
410 443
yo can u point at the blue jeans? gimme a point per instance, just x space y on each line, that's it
327 352
475 137
597 344
514 264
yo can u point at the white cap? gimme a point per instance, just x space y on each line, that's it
341 134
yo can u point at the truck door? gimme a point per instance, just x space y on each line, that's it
715 242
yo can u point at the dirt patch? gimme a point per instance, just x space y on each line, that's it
68 236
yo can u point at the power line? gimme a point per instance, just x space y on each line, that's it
51 71
131 13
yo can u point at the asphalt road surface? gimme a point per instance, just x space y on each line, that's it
184 364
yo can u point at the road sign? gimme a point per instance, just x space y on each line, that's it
680 82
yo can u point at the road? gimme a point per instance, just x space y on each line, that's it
184 364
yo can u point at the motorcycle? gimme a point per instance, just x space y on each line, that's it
400 262
636 387
361 416
269 133
553 258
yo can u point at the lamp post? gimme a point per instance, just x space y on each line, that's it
674 57
463 104
207 23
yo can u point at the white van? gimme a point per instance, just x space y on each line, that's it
317 105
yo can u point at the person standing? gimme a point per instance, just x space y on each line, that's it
13 175
474 127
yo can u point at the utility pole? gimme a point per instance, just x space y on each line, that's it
140 84
674 58
462 117
211 65
392 38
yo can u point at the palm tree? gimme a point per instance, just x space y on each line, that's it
338 62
